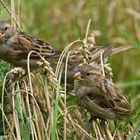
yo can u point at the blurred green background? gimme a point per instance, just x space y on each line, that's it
116 22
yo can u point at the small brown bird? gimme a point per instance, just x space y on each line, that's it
15 47
99 95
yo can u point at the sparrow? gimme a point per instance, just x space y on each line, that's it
94 56
99 95
15 47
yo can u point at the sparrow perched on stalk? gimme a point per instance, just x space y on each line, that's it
99 95
15 47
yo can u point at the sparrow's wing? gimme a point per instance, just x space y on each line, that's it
95 52
23 44
112 97
37 45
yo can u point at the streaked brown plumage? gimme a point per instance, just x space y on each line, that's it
99 95
15 47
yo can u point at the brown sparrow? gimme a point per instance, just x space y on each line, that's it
94 54
99 95
15 47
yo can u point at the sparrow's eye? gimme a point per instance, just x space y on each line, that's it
5 28
88 74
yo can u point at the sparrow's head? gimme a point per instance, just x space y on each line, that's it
88 73
6 29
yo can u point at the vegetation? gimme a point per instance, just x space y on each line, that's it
36 107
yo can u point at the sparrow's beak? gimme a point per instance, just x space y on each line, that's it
78 76
2 34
